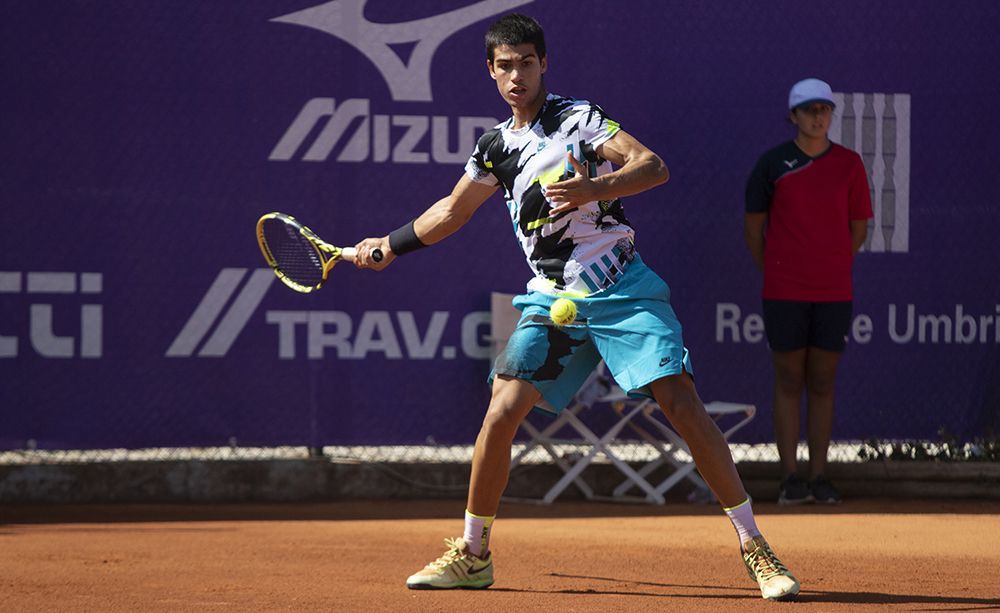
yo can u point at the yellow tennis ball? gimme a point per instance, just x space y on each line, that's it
562 311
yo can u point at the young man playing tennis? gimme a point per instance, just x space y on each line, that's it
553 159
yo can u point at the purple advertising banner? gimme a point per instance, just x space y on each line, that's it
141 141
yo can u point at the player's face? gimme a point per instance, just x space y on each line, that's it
814 120
518 72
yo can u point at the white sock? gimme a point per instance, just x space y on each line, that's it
742 517
477 533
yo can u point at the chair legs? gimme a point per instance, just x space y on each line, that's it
601 446
668 445
542 439
673 444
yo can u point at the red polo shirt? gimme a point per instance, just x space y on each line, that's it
810 202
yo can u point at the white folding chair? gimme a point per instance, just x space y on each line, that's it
628 409
597 389
674 450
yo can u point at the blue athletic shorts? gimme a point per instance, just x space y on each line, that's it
630 325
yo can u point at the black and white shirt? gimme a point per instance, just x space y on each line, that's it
578 252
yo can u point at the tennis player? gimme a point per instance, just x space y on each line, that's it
555 159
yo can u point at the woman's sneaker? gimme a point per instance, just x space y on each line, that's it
794 491
823 491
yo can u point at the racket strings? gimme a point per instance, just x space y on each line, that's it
294 255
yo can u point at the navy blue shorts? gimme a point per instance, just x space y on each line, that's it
791 325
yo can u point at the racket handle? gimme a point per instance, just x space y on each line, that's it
349 253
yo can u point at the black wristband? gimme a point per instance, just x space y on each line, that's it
404 240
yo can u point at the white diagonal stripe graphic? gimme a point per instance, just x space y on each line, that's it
238 314
206 313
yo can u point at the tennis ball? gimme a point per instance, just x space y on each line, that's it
562 311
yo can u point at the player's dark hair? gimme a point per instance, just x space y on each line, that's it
513 30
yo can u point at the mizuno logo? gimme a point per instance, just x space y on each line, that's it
791 163
407 80
368 134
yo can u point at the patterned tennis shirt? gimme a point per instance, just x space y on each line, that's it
578 252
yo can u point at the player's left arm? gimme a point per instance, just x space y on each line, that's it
859 206
639 169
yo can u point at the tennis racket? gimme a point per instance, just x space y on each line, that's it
300 258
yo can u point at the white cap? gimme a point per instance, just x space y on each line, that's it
808 92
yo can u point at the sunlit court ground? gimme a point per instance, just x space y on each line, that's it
865 555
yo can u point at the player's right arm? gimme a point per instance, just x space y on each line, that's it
759 193
452 212
441 220
753 233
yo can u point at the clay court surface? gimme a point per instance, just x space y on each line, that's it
867 555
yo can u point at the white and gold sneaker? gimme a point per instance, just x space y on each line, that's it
776 582
457 568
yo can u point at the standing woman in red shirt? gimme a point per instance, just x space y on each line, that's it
807 211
